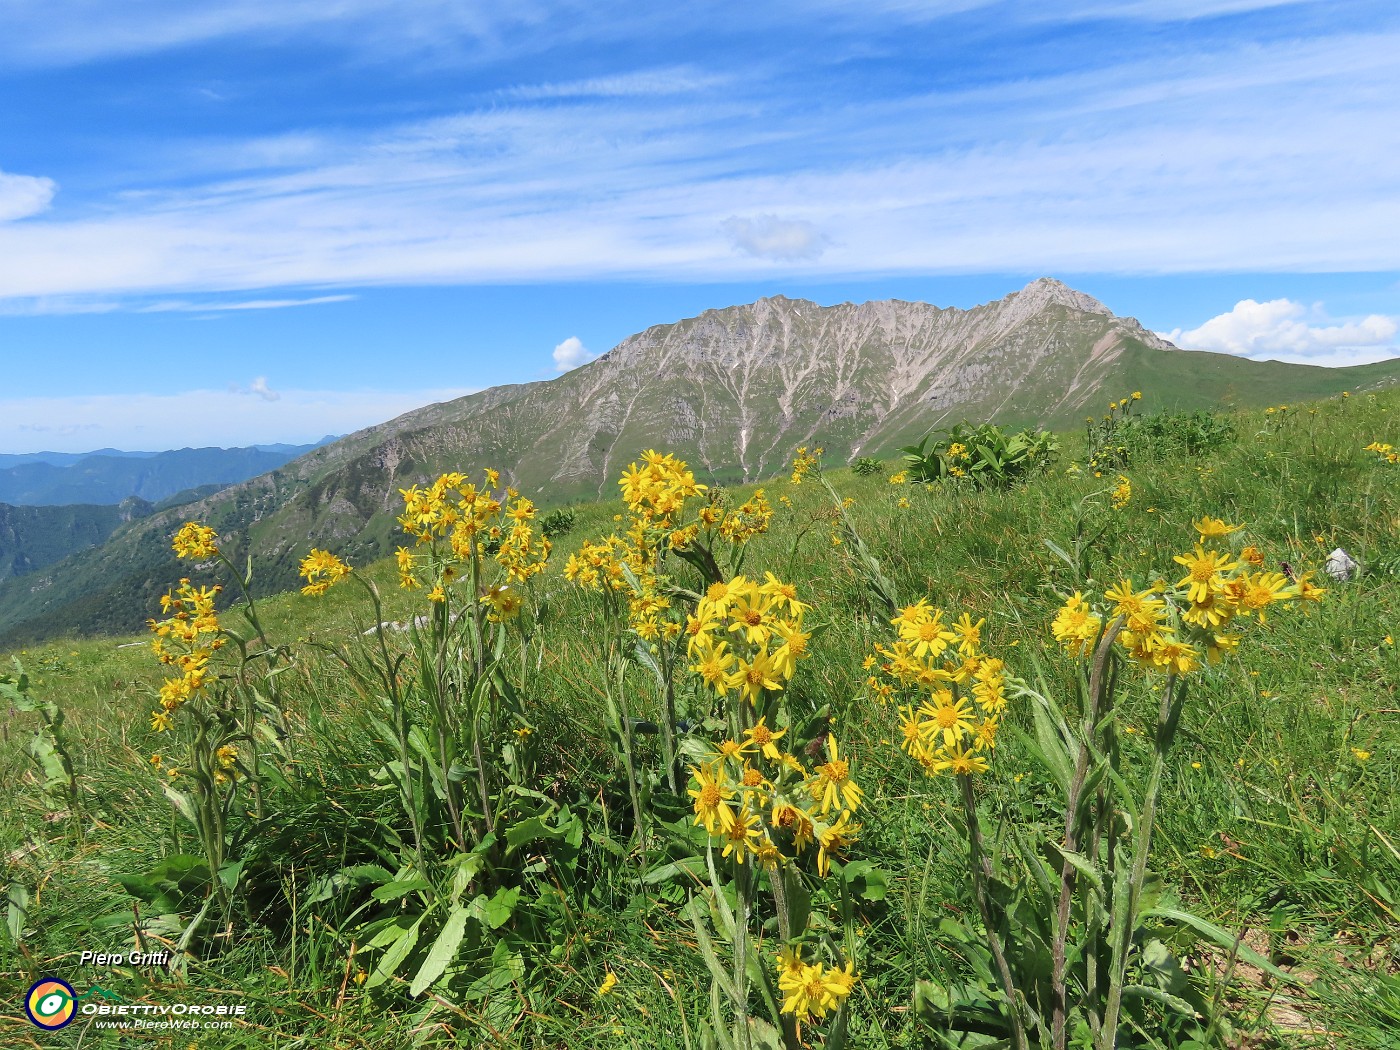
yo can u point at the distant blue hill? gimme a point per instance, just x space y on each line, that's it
109 476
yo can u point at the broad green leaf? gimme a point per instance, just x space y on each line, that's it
443 951
392 891
392 959
1079 863
1222 937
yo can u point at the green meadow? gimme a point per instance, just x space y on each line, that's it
488 831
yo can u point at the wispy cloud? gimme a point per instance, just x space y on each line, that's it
187 306
233 418
1222 158
24 195
1284 330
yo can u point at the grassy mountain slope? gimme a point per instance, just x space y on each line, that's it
34 537
1276 818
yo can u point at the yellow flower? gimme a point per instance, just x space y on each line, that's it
195 541
1361 754
160 721
1075 626
1203 568
322 569
712 809
833 786
437 594
1210 527
609 983
1123 494
765 739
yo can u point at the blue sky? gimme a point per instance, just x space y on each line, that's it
257 221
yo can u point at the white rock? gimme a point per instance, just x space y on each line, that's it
1341 565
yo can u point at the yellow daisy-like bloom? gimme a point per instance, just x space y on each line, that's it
322 569
437 594
160 721
196 541
1075 626
959 760
969 634
833 840
505 602
752 677
1203 568
947 718
715 666
833 786
765 739
712 809
1209 527
743 835
929 637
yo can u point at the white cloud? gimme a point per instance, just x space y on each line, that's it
669 81
769 237
229 418
24 195
571 353
1280 330
257 388
182 306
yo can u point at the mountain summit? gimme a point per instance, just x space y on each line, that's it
732 391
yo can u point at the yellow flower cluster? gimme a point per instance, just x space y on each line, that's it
955 692
658 487
196 541
322 570
805 465
655 491
470 519
902 478
185 640
1385 451
1203 614
747 636
811 990
762 802
1123 494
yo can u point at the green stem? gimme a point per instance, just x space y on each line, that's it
1124 921
981 875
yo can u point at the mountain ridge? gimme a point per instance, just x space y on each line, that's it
730 390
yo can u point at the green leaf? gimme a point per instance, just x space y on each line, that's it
532 829
396 954
1222 937
16 911
691 867
392 891
443 951
1157 995
181 802
1079 863
693 911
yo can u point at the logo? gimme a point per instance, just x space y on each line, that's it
51 1003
